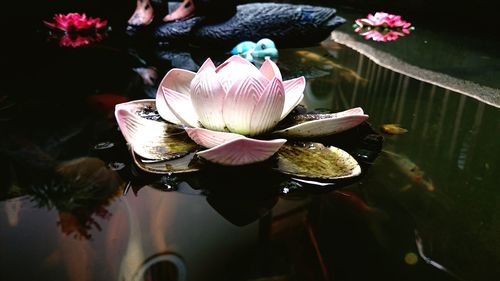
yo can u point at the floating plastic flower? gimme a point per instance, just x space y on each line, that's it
77 40
232 110
76 30
382 27
76 22
381 19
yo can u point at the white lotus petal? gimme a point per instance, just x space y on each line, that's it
207 96
178 80
323 127
209 138
242 151
294 92
236 69
351 111
268 109
164 110
234 59
142 134
240 102
270 70
208 64
181 106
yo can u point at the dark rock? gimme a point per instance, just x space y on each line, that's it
287 24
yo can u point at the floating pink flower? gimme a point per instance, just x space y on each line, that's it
74 22
382 27
227 109
381 19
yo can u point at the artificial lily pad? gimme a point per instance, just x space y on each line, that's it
148 135
316 161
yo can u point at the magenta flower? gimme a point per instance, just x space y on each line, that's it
381 19
74 22
382 27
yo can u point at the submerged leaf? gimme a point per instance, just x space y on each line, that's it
314 160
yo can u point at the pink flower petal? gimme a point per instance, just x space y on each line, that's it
337 123
240 103
164 110
180 105
267 111
207 96
270 70
236 69
234 59
294 93
178 80
209 138
242 151
140 133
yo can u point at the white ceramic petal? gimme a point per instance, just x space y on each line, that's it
236 69
207 97
234 59
240 102
351 111
242 151
164 110
270 70
142 134
267 111
208 64
178 80
181 106
294 93
337 123
209 138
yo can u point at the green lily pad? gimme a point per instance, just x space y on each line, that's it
316 161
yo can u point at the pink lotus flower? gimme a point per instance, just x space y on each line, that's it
75 41
224 108
74 22
381 19
382 27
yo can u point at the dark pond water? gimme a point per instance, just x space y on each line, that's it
74 207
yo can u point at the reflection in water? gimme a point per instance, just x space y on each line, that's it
80 195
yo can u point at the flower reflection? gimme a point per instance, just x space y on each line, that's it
80 193
77 40
382 27
376 35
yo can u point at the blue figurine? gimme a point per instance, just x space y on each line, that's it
256 51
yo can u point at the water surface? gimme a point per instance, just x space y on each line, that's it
73 206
